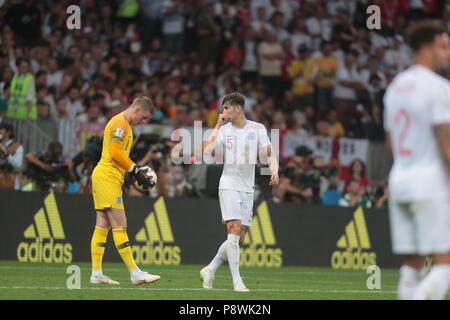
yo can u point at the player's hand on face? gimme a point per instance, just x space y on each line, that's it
222 119
274 179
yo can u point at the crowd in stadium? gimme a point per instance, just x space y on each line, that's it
305 67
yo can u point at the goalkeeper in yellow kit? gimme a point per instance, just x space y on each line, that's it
107 180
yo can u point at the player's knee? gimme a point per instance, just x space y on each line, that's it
234 228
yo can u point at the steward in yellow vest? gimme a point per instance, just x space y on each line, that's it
22 102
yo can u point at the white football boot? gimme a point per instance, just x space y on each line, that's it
144 277
102 279
207 277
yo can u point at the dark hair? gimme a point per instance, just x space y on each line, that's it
55 145
363 169
20 60
234 99
423 33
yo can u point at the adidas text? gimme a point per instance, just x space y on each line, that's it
260 256
157 253
353 259
48 252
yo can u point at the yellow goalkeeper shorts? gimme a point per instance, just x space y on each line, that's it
106 191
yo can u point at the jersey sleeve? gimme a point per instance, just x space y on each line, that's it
117 134
440 109
263 138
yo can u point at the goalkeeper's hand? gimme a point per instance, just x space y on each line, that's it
140 176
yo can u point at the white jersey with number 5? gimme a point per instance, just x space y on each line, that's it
240 149
416 100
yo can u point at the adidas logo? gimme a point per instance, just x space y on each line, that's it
157 237
354 246
257 249
45 229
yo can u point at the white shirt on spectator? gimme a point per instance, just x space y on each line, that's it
321 27
74 108
286 7
365 77
378 40
280 34
257 4
339 55
54 79
260 26
343 73
250 62
400 58
299 38
172 24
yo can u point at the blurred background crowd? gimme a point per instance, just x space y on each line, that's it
307 68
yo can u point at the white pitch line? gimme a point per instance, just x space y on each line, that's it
201 289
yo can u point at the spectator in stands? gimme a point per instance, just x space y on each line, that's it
22 103
331 195
357 172
270 57
345 92
74 103
172 25
303 72
260 24
45 120
11 157
336 129
250 60
327 66
355 196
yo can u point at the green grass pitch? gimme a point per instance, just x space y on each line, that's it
49 281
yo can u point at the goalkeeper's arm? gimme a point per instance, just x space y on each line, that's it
126 163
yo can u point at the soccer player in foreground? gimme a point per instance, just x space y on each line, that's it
239 140
417 123
107 180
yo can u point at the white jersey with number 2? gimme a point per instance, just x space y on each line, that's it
415 101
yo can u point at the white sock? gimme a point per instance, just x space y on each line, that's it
233 255
409 279
435 285
135 272
97 273
220 257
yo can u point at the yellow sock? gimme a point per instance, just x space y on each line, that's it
98 245
123 246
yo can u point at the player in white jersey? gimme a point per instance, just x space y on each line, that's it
240 141
417 124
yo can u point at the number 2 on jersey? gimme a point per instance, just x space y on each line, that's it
402 117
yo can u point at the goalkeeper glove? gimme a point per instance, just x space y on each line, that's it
140 176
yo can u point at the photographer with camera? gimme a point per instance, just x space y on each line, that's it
84 163
49 170
291 187
11 157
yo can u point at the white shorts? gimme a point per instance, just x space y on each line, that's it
236 205
421 228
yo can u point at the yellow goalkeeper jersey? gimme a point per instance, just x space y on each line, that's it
117 141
